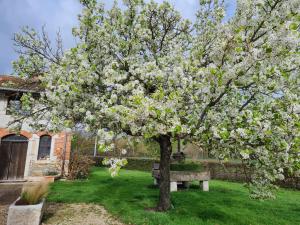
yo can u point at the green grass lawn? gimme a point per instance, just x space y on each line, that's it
127 196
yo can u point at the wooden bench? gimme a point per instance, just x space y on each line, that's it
183 177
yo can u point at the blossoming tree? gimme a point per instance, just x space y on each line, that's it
141 70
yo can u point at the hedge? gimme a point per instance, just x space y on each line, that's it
146 164
231 171
143 164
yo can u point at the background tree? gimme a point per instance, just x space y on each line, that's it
232 86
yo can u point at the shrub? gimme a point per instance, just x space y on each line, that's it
143 164
79 166
146 164
33 193
187 166
50 173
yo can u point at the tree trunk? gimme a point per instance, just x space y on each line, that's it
178 145
164 167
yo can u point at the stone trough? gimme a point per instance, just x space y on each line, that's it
25 214
184 177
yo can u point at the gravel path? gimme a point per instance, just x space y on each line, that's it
3 214
77 214
8 194
58 213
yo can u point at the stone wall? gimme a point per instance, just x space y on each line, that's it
35 167
39 168
59 145
230 171
234 171
42 168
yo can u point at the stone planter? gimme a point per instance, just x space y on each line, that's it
49 179
25 214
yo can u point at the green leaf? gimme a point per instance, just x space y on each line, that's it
293 26
239 49
268 50
178 129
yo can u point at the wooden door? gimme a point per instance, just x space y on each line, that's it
4 159
13 153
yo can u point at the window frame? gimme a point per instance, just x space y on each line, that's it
44 154
13 99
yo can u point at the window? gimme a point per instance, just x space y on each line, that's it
14 103
44 147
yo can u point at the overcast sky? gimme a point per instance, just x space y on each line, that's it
55 15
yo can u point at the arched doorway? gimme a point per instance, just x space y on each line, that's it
13 151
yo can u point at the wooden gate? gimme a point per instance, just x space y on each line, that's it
13 151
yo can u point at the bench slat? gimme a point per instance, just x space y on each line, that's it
189 176
185 175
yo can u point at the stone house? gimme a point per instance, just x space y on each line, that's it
28 155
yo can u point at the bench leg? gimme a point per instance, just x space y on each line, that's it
205 185
173 186
186 184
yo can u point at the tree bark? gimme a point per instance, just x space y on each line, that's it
164 203
178 145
